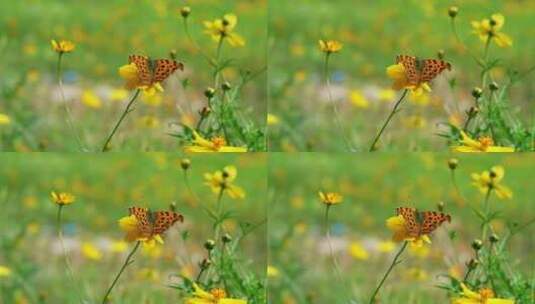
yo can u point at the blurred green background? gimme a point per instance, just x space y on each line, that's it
105 33
105 186
373 185
373 33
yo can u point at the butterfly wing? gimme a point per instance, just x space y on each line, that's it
411 69
165 67
142 216
433 219
431 68
143 67
165 219
411 222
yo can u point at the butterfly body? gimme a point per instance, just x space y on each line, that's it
152 71
419 71
419 223
154 223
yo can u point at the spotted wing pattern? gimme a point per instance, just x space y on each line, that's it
165 219
431 68
143 67
142 216
433 219
165 67
411 69
411 222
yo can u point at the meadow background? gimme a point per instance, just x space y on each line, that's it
301 269
373 33
105 186
105 33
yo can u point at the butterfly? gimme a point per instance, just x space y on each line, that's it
151 71
153 223
421 222
421 70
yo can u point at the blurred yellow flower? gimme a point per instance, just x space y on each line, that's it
149 274
130 74
91 252
118 94
387 95
216 144
130 225
358 99
421 99
152 100
491 29
91 100
223 29
415 122
5 271
215 296
397 225
483 144
357 251
330 46
386 246
272 271
149 121
223 180
330 198
119 246
62 198
4 119
397 73
63 46
421 252
484 296
272 119
491 180
417 274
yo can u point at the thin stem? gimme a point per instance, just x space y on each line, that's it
467 274
126 263
486 210
394 111
68 116
457 37
125 112
394 263
455 185
186 181
219 207
190 38
217 67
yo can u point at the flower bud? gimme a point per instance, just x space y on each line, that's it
472 263
477 244
226 238
492 174
172 54
452 163
493 238
473 111
453 11
226 86
493 86
477 92
205 111
205 263
185 11
225 174
225 21
440 206
172 206
209 245
493 22
185 163
440 54
209 93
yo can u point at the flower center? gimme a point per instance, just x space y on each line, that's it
486 293
218 294
485 142
218 142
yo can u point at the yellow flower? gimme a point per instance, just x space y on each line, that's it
215 296
357 251
491 180
484 296
272 271
91 100
149 121
223 180
483 144
386 246
130 74
223 29
490 29
416 274
397 73
272 119
216 144
132 228
330 198
91 252
397 225
63 46
119 246
4 271
358 99
330 46
415 121
62 198
4 119
387 95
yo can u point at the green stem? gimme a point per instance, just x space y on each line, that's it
125 112
217 67
219 209
457 37
486 210
126 263
394 263
392 113
455 185
190 38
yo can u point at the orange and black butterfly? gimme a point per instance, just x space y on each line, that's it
154 70
154 223
419 71
419 223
